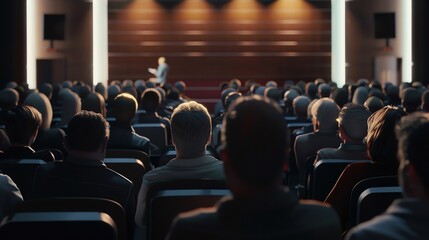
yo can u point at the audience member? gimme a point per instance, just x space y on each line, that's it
381 146
373 104
360 95
340 96
22 125
411 100
191 133
393 96
122 134
406 218
288 98
101 89
352 125
71 105
9 194
324 90
47 137
324 114
150 102
94 102
260 207
300 105
83 173
311 90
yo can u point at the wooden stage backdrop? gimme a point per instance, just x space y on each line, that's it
206 43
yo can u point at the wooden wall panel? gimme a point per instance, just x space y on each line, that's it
203 43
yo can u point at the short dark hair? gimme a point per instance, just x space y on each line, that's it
124 108
191 128
412 132
255 137
353 120
21 123
86 131
380 140
150 100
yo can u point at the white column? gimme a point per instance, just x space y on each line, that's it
100 42
31 43
338 42
407 50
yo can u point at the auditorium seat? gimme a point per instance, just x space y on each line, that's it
66 218
157 133
130 153
131 168
21 171
166 200
357 193
325 174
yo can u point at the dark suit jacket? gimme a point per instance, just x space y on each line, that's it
346 151
84 178
275 216
124 137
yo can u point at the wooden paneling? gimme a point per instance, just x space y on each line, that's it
285 40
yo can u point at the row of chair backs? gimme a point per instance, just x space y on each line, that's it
372 196
156 132
325 174
66 218
21 171
167 199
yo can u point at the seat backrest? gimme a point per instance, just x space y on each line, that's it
156 132
360 187
170 154
166 200
130 153
375 200
131 168
97 217
325 174
21 171
216 135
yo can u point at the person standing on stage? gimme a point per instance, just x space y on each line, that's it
161 72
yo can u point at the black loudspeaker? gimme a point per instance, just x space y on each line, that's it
54 26
384 25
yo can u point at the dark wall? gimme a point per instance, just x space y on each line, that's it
207 43
420 41
12 41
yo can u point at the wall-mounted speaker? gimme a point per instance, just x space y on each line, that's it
54 26
384 25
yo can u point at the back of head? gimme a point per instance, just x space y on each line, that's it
180 86
9 98
71 105
325 112
289 96
393 95
22 123
360 95
353 121
255 163
124 108
46 88
300 105
373 104
412 148
311 90
340 96
411 100
380 140
260 90
94 102
324 90
150 100
224 94
162 93
273 93
232 97
43 105
112 92
235 83
101 89
190 129
272 84
375 92
86 131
